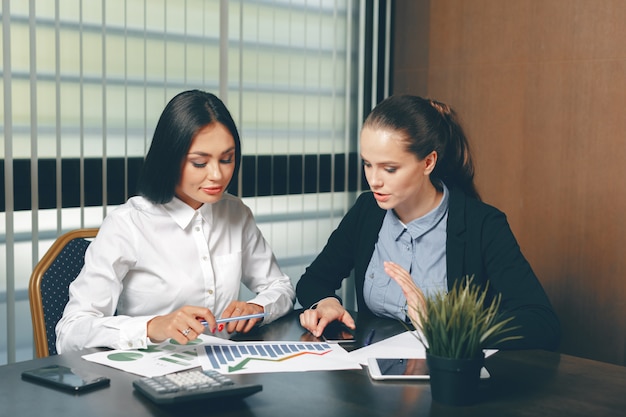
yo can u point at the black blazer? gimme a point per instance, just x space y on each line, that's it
479 242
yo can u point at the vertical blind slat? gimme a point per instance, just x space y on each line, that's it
34 172
81 88
223 54
126 191
361 78
57 118
387 50
104 109
239 85
8 179
347 143
374 54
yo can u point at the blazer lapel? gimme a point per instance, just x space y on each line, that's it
456 237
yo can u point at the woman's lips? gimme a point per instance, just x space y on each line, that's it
212 190
381 197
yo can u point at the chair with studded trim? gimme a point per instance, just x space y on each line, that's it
48 289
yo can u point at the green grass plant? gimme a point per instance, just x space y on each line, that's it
462 322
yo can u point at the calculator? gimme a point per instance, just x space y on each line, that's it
192 385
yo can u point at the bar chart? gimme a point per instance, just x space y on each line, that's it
274 357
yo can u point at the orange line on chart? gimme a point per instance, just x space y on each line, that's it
241 365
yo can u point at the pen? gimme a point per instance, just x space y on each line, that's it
235 318
370 337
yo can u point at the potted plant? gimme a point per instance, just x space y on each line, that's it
454 328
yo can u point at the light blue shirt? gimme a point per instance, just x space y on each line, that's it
419 248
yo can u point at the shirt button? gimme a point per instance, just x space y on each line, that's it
197 228
204 258
210 292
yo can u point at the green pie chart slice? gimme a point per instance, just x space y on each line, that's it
124 356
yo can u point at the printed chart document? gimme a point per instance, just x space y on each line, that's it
256 357
403 345
227 356
157 359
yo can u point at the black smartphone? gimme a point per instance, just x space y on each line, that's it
337 332
65 378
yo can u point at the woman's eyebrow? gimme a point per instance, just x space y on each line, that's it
200 153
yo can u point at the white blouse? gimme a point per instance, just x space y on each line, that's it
151 259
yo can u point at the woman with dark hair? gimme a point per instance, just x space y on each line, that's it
176 254
182 117
421 228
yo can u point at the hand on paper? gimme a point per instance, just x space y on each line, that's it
327 310
414 296
241 308
181 325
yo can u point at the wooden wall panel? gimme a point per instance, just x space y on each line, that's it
541 88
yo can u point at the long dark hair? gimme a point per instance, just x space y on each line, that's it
428 125
182 118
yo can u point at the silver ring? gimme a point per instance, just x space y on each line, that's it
186 331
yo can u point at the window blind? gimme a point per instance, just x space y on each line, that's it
84 82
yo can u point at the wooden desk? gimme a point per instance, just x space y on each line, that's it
525 383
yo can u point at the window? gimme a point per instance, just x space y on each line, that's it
84 82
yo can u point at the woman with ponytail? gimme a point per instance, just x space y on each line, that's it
421 228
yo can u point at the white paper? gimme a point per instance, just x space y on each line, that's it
157 359
403 345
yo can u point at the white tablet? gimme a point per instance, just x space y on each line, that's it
403 368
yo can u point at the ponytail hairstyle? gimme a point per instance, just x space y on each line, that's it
426 126
183 117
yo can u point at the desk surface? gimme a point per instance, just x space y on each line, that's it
523 383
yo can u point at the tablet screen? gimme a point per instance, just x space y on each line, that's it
405 367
